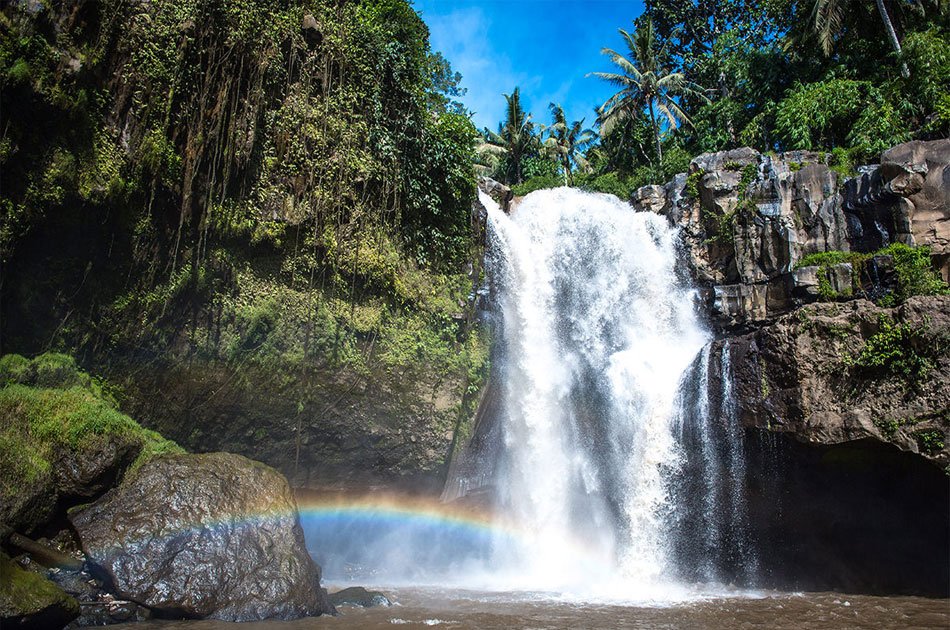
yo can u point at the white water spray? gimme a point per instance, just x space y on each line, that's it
597 331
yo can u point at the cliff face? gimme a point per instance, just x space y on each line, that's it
749 220
225 209
835 373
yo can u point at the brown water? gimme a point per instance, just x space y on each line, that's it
447 609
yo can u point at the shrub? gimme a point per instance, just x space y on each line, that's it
912 266
537 183
915 274
898 349
692 184
930 442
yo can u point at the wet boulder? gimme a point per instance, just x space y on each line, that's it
359 596
214 535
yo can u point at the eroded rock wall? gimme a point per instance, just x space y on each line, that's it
839 372
747 220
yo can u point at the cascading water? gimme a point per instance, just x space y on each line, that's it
598 330
712 530
612 456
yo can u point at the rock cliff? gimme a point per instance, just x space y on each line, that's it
748 220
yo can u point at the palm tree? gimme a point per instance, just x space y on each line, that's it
567 141
513 140
644 81
827 17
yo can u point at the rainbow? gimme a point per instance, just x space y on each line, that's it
396 509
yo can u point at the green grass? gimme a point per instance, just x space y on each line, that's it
56 408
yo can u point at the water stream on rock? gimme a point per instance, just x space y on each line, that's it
598 332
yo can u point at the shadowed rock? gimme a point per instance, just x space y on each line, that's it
28 600
358 596
214 535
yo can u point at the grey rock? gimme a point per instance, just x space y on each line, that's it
213 535
497 191
649 199
358 596
918 173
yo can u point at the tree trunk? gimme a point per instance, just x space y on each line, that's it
656 134
892 35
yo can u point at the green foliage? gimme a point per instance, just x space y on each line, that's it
823 259
927 55
234 100
692 184
842 162
930 442
610 183
819 75
912 266
839 112
915 273
539 166
899 350
537 183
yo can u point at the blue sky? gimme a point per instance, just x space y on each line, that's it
544 46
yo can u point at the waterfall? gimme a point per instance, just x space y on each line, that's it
713 538
598 330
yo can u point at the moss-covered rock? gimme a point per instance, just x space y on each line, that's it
61 443
29 601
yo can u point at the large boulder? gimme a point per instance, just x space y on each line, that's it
28 600
214 535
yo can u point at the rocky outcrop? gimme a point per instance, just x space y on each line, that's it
836 373
29 601
747 220
502 194
213 535
910 192
65 443
358 596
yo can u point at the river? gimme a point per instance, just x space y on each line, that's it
453 608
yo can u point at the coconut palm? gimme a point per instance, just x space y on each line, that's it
645 82
567 142
513 140
828 17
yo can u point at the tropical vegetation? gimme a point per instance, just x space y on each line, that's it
846 78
